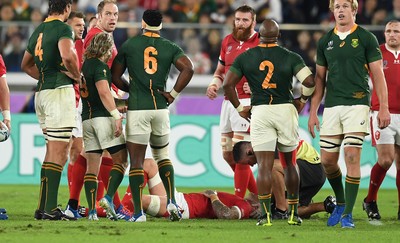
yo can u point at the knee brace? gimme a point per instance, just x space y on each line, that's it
61 134
154 205
353 141
226 143
160 153
331 145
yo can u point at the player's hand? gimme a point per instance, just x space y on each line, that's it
246 113
118 127
246 88
298 104
212 91
8 124
208 193
313 121
383 118
167 96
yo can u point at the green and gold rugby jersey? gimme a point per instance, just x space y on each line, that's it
347 63
269 69
43 46
93 71
148 58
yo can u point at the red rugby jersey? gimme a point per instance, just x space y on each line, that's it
391 69
230 49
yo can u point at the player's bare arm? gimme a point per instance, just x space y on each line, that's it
117 70
108 101
69 58
308 86
28 66
216 82
319 91
382 93
221 210
186 69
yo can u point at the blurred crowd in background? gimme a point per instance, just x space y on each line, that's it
198 26
214 20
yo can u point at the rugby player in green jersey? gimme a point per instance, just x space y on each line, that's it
51 59
101 120
269 70
349 52
148 58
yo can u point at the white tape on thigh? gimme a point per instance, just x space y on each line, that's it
155 180
154 206
226 143
240 136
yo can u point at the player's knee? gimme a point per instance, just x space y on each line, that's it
226 143
154 205
385 161
331 145
154 181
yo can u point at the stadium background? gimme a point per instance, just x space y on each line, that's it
195 149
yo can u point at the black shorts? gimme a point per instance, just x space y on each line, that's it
312 178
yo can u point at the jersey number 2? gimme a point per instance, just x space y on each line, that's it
266 83
150 62
38 47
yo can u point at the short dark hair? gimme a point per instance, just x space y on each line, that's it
238 151
76 14
152 17
247 9
58 6
104 2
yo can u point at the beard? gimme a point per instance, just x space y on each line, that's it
242 34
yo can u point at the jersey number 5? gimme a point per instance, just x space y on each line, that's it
38 47
266 84
150 62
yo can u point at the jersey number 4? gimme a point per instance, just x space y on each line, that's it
150 62
38 47
266 83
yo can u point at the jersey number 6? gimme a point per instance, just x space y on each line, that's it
150 62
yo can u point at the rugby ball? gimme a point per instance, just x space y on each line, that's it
4 132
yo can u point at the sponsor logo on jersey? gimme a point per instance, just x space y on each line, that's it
330 45
396 61
358 95
354 43
229 49
385 63
377 135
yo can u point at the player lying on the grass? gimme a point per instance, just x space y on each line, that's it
193 205
312 178
208 204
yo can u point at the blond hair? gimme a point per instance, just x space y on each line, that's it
100 47
354 4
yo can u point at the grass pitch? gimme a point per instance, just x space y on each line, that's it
20 202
